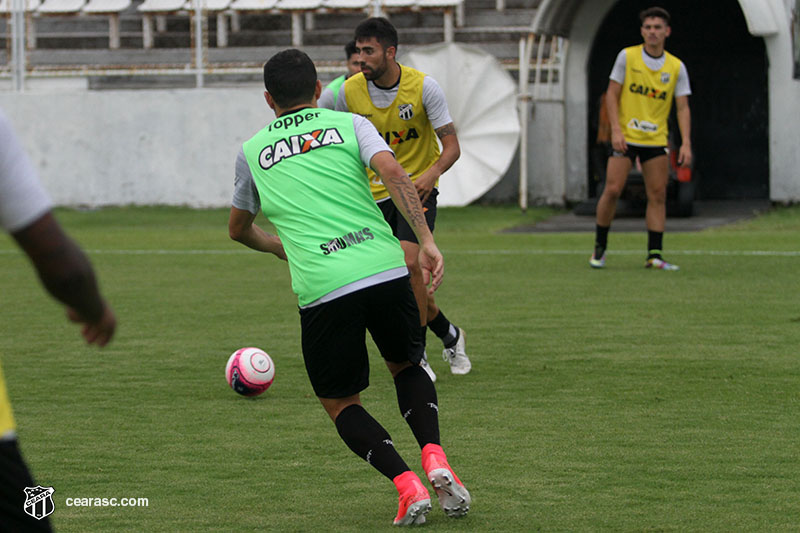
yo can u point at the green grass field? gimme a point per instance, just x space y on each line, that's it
623 399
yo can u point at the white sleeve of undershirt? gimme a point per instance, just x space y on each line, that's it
23 199
618 71
435 103
682 86
245 193
369 140
341 101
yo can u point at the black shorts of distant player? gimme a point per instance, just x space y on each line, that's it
644 153
400 227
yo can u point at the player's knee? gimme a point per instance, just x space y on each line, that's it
657 195
612 190
414 270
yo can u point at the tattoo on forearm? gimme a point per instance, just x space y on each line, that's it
410 201
444 131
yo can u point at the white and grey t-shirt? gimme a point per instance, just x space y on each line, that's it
433 100
682 86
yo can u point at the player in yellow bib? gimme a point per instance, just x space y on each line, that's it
642 86
409 110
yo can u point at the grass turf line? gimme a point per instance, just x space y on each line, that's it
621 399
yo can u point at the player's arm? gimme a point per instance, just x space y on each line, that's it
68 276
612 108
451 151
242 228
435 104
244 207
405 197
685 125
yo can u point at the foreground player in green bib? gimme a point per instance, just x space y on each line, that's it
306 171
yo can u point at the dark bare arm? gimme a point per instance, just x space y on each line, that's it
68 276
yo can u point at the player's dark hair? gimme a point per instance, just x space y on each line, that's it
659 12
350 49
290 78
380 28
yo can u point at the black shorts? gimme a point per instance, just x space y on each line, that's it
644 153
400 227
334 335
14 478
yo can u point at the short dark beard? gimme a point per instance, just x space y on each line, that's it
377 74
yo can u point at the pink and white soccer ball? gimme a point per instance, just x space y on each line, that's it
250 371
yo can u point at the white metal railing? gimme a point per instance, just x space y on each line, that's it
18 64
548 85
548 75
200 31
17 22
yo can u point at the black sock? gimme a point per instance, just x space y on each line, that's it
654 242
444 329
416 397
370 441
600 240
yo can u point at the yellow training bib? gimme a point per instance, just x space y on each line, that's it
6 418
404 125
646 98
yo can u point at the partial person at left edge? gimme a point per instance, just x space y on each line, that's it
68 276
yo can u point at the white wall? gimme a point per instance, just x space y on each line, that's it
784 110
178 147
584 28
170 147
546 140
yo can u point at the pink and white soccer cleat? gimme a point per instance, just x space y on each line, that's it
414 502
454 498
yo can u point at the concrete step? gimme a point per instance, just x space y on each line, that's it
509 4
77 31
493 18
327 57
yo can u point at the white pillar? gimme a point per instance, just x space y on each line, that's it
113 31
297 29
222 30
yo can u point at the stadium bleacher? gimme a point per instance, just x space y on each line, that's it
111 9
119 35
